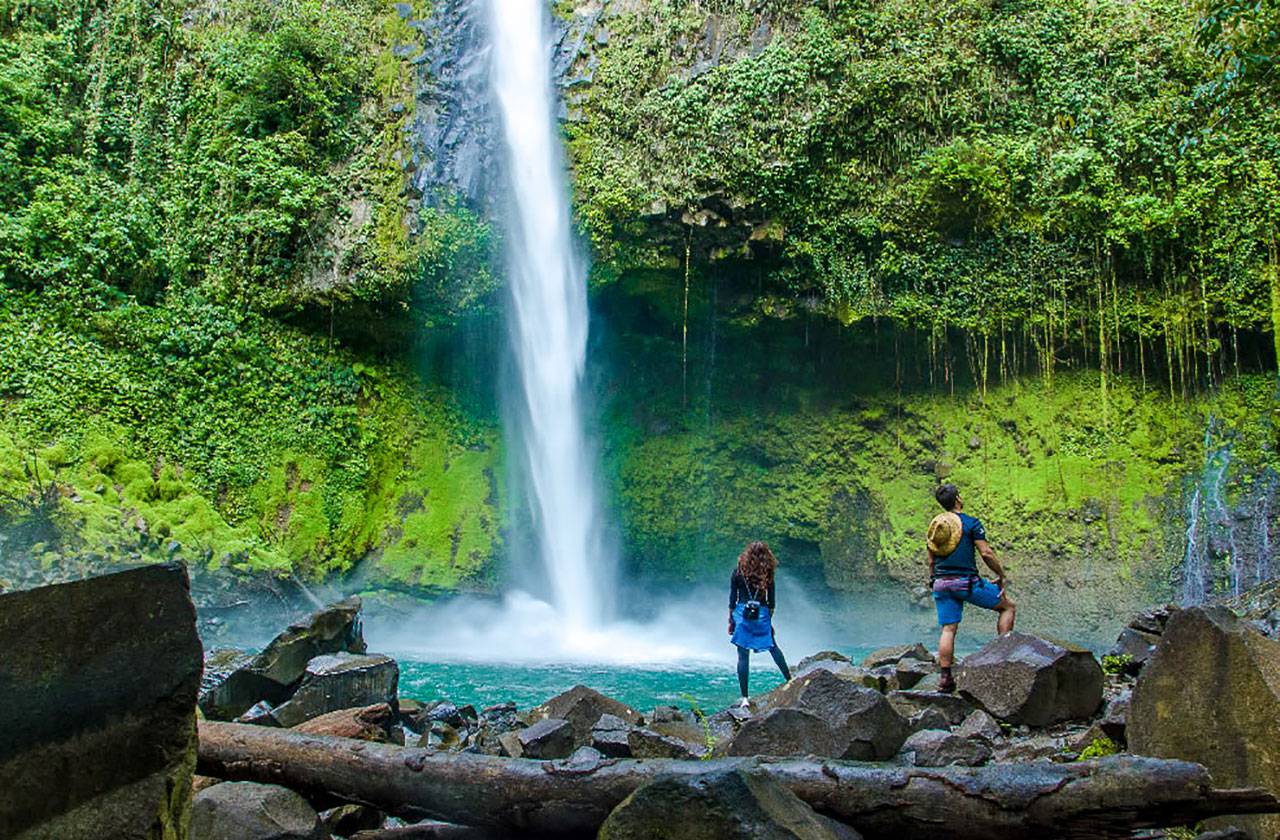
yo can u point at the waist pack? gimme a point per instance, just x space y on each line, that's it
955 584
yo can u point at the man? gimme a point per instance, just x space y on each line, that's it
954 540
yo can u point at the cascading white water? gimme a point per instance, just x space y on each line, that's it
547 316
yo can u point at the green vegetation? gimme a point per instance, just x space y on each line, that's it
234 441
211 264
1116 664
1086 517
178 179
1017 170
1100 748
249 152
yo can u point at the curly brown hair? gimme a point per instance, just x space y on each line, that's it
756 564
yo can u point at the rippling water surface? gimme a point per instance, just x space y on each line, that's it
711 686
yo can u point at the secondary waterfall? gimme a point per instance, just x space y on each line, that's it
547 316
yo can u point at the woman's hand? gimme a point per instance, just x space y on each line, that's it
730 625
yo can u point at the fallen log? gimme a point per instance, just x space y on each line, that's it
1107 797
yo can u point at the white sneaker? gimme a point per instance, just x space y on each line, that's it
744 703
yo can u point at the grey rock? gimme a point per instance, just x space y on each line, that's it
1210 694
929 718
252 811
665 714
1115 717
979 724
939 748
583 707
726 805
1153 621
273 673
446 712
882 678
547 738
500 718
829 659
910 672
646 743
782 732
1135 644
413 715
97 707
1031 748
340 681
1228 833
1081 740
510 744
440 736
258 714
1020 678
609 736
954 709
895 654
862 723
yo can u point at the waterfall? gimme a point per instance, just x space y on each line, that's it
1222 555
547 318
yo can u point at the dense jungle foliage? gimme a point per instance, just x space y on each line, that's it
215 281
1063 170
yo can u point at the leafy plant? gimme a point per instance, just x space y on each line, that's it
1116 664
1100 747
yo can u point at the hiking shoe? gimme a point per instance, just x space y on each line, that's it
744 703
947 684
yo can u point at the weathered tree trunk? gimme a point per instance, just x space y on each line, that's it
1104 798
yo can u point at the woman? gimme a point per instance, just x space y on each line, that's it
751 604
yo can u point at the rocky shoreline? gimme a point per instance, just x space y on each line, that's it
1177 727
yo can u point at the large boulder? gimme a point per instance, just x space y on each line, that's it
340 681
861 722
583 707
251 811
273 673
98 683
1211 694
1025 679
724 805
780 732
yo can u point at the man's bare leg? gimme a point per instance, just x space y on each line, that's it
947 655
1006 611
947 645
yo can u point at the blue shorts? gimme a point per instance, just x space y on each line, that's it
950 603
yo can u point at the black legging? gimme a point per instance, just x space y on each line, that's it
744 665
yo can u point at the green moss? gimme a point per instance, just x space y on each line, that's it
1077 508
273 453
1099 748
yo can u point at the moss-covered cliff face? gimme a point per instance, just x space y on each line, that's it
841 250
140 433
828 442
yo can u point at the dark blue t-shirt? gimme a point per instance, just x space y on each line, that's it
962 561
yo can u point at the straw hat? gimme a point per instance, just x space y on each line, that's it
944 533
